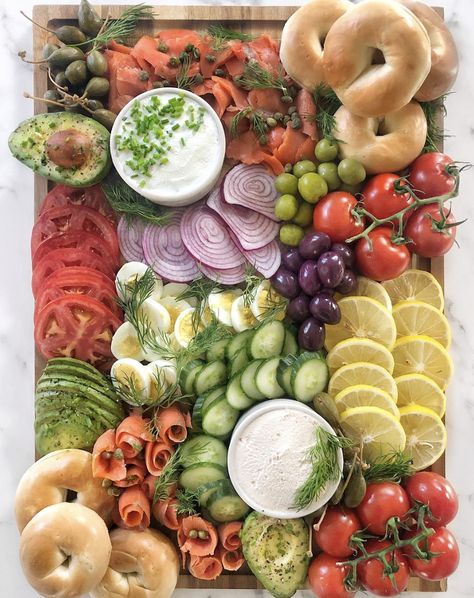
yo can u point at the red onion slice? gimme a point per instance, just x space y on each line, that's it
229 276
252 187
207 238
265 260
253 229
130 235
165 252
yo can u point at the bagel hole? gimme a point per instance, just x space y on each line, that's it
71 496
377 56
381 128
67 559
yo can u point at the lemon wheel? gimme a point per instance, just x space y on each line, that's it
425 435
362 373
363 395
421 390
420 318
352 350
415 285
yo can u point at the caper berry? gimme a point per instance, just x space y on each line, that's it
62 57
97 87
48 49
61 79
52 95
94 104
96 63
76 72
70 35
89 20
105 117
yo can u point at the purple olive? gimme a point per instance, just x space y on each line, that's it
308 278
313 245
285 282
324 308
348 283
311 335
345 252
292 259
298 308
330 269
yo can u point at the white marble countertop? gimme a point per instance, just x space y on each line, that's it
16 303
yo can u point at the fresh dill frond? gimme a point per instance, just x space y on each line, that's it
389 468
124 200
252 281
128 391
199 290
183 79
258 122
221 35
188 502
255 76
122 27
434 112
169 476
206 338
327 104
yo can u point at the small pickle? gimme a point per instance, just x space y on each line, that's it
97 87
355 490
76 72
70 35
104 117
324 406
48 49
89 20
62 57
96 63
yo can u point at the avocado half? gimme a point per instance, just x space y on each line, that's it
30 143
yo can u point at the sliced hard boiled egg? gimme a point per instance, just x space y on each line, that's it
125 343
174 289
174 308
266 298
220 304
128 275
185 329
132 374
163 370
241 316
155 315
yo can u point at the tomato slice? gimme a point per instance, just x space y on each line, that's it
76 239
79 280
76 326
74 218
62 258
92 197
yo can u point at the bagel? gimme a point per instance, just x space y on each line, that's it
302 40
368 89
444 55
385 144
48 481
142 565
65 550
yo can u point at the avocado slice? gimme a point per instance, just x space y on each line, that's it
73 431
64 147
276 551
86 378
72 365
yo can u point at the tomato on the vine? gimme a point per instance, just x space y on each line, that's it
432 489
381 259
335 531
333 215
373 577
443 544
382 200
430 233
382 501
431 175
326 577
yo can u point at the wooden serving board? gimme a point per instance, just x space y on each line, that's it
250 19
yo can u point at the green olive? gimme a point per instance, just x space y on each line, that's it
291 234
355 490
326 150
352 189
104 117
302 167
97 87
63 57
96 63
48 49
76 72
328 170
94 104
61 79
351 171
286 183
286 207
70 35
304 215
325 406
312 187
89 20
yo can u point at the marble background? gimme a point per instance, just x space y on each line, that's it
16 304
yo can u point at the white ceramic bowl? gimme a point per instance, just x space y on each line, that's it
207 177
237 454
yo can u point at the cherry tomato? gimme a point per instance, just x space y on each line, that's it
381 199
335 531
371 572
384 260
429 177
443 543
382 501
326 577
429 235
432 489
333 215
92 197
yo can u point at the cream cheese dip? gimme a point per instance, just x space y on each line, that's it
169 146
268 457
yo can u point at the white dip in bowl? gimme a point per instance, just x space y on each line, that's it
268 457
168 144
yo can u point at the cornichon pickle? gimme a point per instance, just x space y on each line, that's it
68 34
97 87
48 49
89 20
104 117
96 63
62 57
324 405
76 72
355 490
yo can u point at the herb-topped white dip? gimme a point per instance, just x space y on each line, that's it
169 146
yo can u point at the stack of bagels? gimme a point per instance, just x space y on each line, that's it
381 58
66 550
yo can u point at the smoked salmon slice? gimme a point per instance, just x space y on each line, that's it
130 81
265 50
171 425
166 513
246 148
136 472
116 62
268 100
207 567
133 509
191 541
275 137
177 39
235 66
157 455
238 96
116 47
306 150
152 60
231 560
148 485
229 535
131 435
108 462
292 140
307 110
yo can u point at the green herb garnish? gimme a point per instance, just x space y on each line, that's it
327 103
255 76
188 502
221 35
389 468
257 123
123 27
434 111
124 200
168 477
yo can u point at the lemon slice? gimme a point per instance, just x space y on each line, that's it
362 373
363 395
417 317
369 288
379 432
423 355
415 285
362 317
359 349
425 433
421 390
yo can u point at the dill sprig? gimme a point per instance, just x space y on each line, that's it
324 467
327 103
434 112
128 391
222 35
122 27
257 77
252 282
206 338
199 290
124 200
257 123
168 476
183 79
389 468
188 502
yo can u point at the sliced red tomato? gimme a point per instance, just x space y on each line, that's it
92 197
74 218
79 280
62 258
76 326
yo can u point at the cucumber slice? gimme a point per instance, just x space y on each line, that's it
235 395
309 375
283 374
226 505
209 376
196 417
267 340
188 375
201 473
247 381
217 351
202 402
237 342
239 361
207 490
219 418
266 381
290 345
203 449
